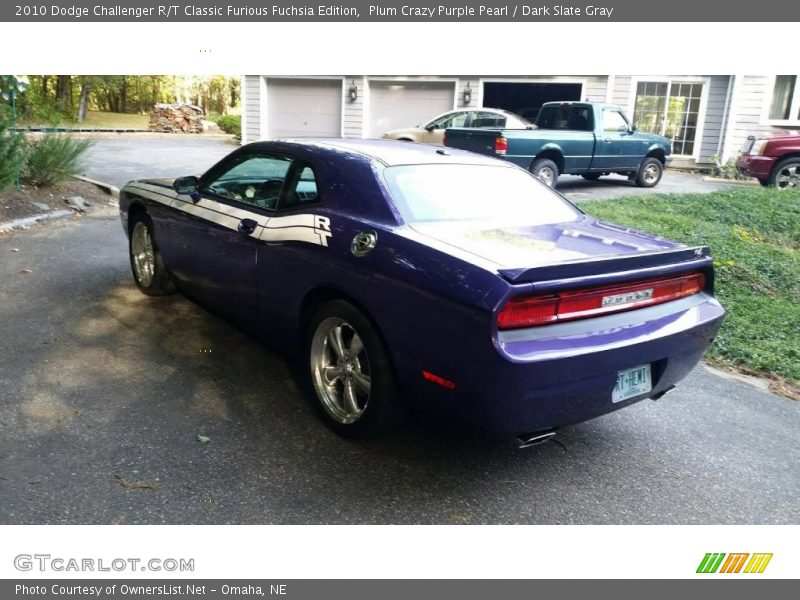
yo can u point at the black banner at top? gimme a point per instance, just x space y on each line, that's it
602 11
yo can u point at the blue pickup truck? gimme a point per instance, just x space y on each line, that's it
574 138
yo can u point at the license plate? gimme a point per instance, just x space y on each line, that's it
632 382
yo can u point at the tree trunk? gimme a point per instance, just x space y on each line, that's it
123 95
45 81
83 104
64 92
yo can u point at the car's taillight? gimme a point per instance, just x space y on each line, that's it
444 139
500 145
530 311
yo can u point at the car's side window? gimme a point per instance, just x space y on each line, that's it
487 119
300 187
255 179
613 120
454 120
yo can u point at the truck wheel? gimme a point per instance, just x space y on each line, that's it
546 170
650 172
786 174
592 176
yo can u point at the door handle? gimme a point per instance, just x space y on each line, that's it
247 226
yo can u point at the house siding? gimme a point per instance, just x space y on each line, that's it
353 124
751 99
251 111
713 127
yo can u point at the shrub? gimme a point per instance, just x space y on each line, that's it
230 124
11 154
53 158
726 170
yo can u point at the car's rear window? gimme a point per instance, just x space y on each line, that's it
495 194
565 117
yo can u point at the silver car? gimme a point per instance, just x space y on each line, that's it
433 131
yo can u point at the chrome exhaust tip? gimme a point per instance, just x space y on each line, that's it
526 440
660 395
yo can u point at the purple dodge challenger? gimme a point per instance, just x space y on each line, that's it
410 277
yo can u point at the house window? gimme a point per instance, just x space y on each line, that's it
785 104
671 109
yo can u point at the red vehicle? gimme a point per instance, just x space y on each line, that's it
773 160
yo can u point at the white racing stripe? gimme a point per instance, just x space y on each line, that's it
309 228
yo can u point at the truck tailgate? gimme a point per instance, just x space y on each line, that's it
480 141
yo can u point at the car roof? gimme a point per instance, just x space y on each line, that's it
391 152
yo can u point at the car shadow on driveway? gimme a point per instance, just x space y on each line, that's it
102 426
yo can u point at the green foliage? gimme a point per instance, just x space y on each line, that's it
754 235
726 170
53 158
11 154
228 123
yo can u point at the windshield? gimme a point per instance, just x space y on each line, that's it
491 194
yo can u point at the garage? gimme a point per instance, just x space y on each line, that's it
396 104
525 98
304 107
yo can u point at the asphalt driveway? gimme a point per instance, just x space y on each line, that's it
103 392
119 159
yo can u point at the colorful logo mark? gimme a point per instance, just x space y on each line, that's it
734 563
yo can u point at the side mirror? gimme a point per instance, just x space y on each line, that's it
185 185
633 128
430 127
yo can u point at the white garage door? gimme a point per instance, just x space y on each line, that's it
304 107
393 105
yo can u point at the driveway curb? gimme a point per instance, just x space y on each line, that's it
111 189
28 221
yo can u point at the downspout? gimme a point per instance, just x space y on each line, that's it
724 123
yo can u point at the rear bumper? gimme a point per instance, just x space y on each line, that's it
540 383
755 166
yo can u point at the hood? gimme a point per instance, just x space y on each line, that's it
515 246
161 182
395 132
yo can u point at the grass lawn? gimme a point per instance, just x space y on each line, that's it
754 235
106 119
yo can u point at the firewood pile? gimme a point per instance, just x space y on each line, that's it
176 118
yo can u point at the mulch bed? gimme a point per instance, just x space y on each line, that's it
17 204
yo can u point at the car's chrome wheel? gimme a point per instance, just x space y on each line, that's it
340 370
149 272
143 254
788 176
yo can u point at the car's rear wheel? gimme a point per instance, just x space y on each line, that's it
546 170
650 172
786 174
351 374
149 272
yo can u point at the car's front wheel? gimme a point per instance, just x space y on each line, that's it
786 174
351 374
650 172
149 272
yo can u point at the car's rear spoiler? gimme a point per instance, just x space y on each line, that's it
606 264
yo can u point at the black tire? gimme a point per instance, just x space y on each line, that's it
650 172
380 408
546 170
788 167
592 176
159 283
